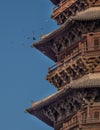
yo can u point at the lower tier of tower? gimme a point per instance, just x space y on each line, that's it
86 119
76 107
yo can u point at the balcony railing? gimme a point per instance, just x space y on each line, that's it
62 6
91 120
80 123
74 55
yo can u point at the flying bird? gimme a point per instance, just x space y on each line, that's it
34 38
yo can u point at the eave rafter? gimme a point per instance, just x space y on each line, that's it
64 104
68 34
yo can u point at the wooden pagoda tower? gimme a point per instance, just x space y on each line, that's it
75 47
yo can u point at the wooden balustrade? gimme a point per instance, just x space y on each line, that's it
73 56
80 123
62 6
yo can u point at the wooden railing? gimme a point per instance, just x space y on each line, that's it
80 123
62 6
73 56
68 59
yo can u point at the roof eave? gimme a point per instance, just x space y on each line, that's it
40 45
55 1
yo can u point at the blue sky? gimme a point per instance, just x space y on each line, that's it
23 69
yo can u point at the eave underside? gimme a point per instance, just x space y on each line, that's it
55 1
50 44
43 108
45 44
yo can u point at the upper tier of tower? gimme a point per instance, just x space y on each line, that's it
59 44
64 9
75 47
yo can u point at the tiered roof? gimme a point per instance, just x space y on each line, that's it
45 44
88 81
47 109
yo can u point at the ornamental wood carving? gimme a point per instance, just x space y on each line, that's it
68 105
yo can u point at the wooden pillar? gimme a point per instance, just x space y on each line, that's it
90 41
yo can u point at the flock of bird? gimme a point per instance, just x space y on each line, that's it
30 38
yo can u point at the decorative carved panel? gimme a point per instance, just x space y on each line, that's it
69 104
72 36
68 9
74 70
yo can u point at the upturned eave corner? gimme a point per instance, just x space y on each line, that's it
55 1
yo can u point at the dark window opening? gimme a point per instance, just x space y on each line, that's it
96 114
97 42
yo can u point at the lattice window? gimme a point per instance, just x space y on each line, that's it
97 42
96 114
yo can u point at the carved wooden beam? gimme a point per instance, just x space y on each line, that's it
74 70
73 35
69 104
68 9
